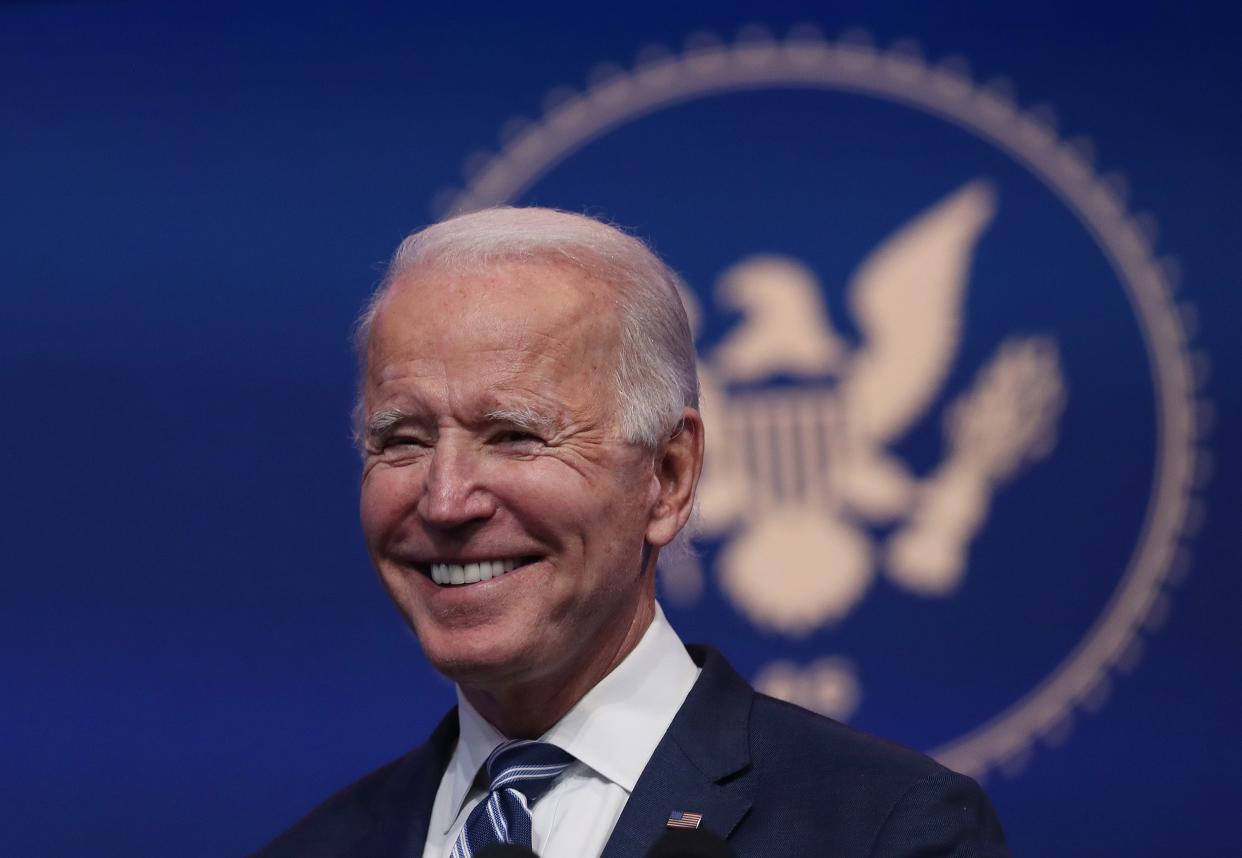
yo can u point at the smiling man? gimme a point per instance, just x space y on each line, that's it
531 440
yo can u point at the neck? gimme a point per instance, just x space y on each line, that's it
527 710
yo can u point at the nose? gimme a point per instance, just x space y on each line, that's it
454 495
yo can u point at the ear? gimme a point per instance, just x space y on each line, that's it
677 470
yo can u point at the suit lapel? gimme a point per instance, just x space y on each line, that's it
402 811
707 742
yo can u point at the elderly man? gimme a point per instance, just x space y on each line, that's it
531 441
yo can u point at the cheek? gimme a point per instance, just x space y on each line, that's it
545 508
385 497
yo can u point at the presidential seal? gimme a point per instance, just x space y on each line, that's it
956 442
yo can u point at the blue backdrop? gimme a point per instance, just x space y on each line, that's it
197 198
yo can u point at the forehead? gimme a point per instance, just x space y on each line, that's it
516 296
546 319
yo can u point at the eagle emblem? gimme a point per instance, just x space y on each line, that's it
801 483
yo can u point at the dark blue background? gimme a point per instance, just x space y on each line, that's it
194 199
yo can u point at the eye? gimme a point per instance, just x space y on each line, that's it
400 443
409 440
517 437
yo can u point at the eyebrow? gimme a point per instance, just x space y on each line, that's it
383 420
523 417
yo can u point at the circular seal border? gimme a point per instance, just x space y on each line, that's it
1174 512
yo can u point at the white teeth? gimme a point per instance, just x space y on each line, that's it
469 573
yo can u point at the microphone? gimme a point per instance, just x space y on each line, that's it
690 843
505 850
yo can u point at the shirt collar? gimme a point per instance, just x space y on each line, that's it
614 729
475 742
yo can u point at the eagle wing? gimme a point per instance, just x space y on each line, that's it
906 298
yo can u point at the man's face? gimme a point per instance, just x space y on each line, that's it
493 440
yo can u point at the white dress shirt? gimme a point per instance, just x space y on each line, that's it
611 732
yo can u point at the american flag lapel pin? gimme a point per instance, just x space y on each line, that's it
684 819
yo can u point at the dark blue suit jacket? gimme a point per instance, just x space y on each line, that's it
774 779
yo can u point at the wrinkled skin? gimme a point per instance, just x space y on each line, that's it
503 444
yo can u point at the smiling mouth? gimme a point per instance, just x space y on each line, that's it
457 574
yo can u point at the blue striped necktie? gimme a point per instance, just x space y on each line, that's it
520 772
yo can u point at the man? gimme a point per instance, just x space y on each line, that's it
531 441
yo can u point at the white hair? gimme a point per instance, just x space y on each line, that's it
654 376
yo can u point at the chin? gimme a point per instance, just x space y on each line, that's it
479 661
